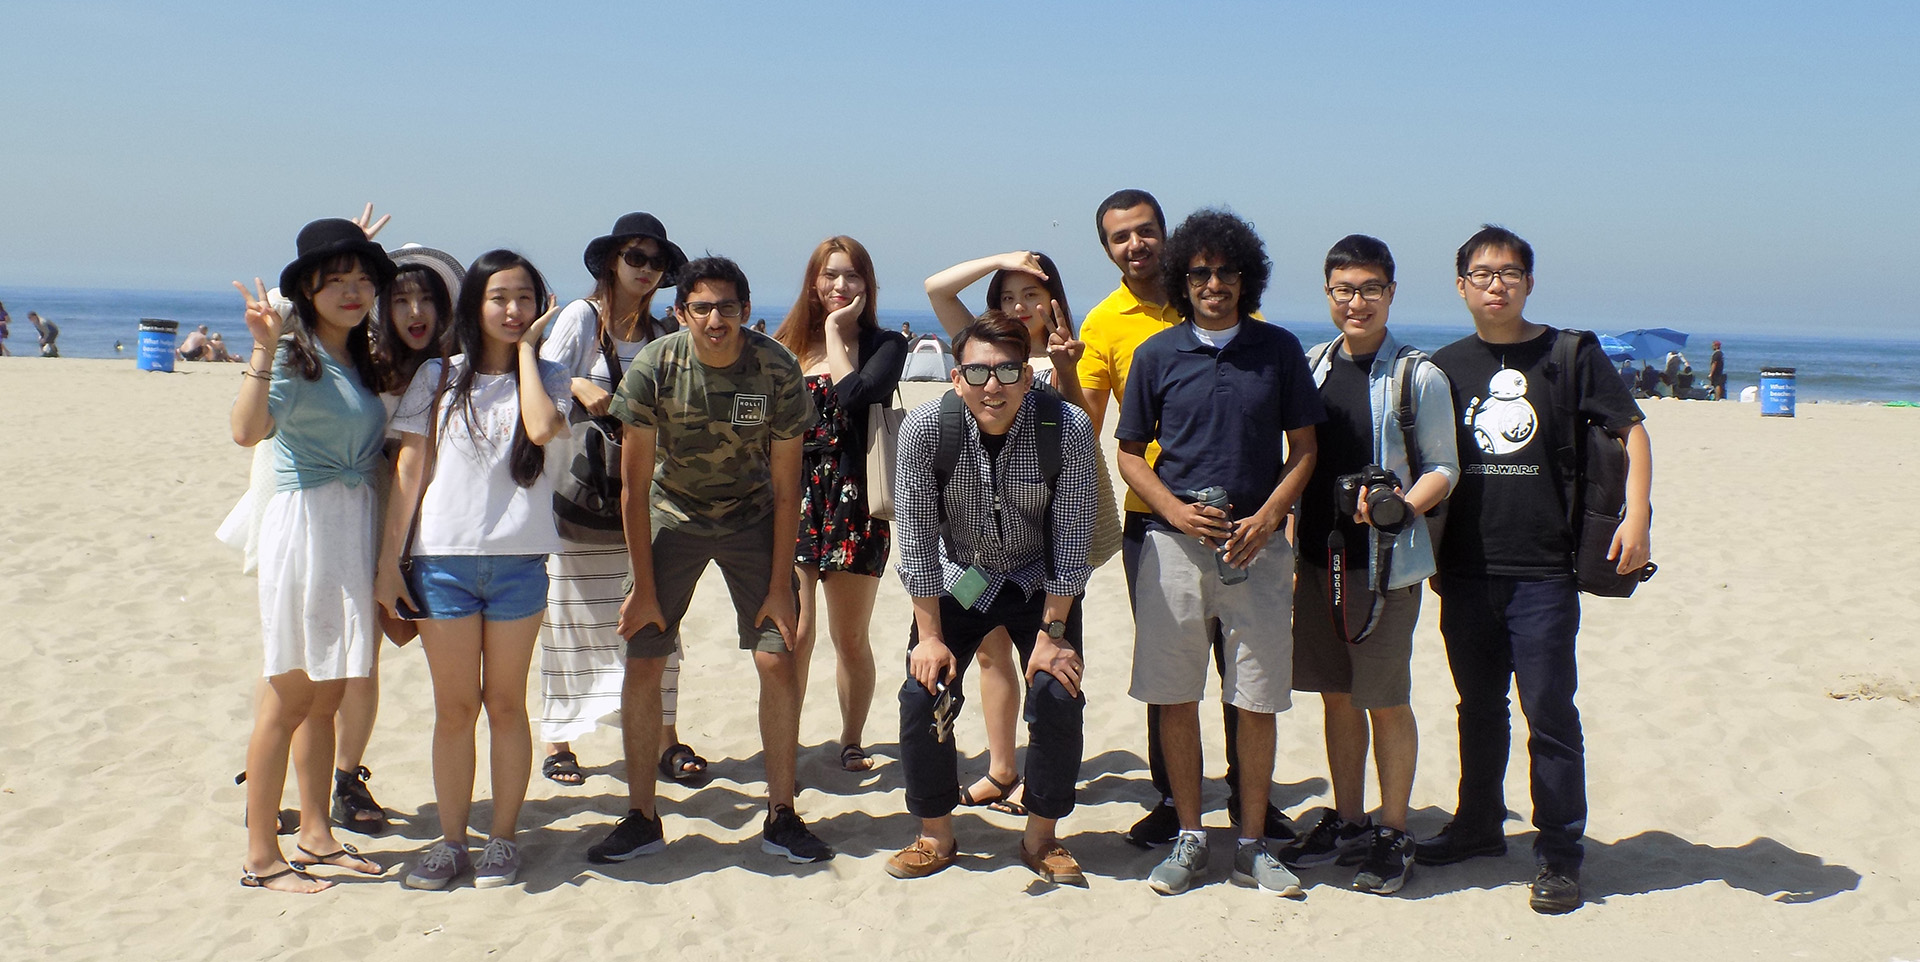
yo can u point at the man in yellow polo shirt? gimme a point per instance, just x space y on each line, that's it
1132 228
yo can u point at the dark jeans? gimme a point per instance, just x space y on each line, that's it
1054 739
1502 632
1133 534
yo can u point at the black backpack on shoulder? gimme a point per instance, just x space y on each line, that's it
1593 477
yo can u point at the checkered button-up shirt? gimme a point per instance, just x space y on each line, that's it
995 516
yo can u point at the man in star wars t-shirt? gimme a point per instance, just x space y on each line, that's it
1509 608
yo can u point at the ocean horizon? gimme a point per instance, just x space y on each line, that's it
1829 368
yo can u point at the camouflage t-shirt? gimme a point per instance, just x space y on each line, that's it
714 428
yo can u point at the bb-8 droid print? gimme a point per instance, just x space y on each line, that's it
1504 422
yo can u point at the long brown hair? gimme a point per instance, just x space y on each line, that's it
602 297
807 319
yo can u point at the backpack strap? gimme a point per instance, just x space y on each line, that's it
1571 446
1407 407
946 451
1047 416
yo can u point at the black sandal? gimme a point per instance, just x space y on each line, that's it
1006 788
681 763
563 767
314 858
252 881
353 806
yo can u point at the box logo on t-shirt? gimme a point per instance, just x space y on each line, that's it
749 409
1503 423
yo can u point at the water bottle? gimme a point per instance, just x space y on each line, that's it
1215 496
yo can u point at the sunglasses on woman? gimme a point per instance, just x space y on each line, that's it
639 259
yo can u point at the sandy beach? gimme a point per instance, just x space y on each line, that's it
1752 721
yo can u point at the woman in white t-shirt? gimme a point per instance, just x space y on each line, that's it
582 660
479 554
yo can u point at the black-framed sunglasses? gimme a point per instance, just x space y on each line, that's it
641 260
1008 372
726 308
1199 276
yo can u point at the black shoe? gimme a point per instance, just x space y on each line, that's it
1332 839
1449 847
636 835
1277 828
353 806
1556 890
1389 859
784 834
1157 827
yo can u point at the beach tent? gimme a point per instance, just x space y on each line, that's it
1654 342
929 360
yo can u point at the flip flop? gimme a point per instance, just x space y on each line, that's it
966 794
251 881
853 758
681 763
563 767
313 858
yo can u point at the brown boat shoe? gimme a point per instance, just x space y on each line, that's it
1054 864
919 860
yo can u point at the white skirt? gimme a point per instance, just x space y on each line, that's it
317 610
583 659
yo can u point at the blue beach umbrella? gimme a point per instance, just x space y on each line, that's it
1615 347
1654 342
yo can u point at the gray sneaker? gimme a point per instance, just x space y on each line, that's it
499 864
1182 867
1254 865
442 864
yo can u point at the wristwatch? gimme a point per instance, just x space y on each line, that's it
1056 630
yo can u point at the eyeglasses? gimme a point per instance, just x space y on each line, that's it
726 308
1481 280
976 374
1343 294
1199 276
637 258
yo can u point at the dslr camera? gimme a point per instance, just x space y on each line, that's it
1387 510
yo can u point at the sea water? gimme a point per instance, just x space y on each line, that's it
1828 368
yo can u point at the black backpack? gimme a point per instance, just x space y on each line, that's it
1047 417
1593 477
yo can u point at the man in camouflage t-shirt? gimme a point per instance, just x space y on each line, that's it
724 409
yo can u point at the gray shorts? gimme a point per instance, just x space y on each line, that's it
745 558
1377 672
1178 599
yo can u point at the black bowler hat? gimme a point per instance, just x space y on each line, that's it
628 227
328 237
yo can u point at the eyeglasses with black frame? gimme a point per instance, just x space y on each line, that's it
726 308
637 258
1007 372
1343 293
1481 280
1199 276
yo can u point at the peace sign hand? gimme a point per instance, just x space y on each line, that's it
368 224
263 321
1065 349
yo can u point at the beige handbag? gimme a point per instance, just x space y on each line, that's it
1106 517
883 446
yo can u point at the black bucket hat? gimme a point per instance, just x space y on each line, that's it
328 237
628 227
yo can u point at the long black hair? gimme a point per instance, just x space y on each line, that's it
527 459
303 355
397 360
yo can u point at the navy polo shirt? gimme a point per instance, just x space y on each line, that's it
1220 416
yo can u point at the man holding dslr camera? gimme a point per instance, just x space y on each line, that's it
1364 549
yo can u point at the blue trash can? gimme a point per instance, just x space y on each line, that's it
1776 392
157 341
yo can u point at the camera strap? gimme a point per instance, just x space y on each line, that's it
1341 585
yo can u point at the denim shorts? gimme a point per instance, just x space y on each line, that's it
500 587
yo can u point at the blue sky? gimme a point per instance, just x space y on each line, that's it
1711 167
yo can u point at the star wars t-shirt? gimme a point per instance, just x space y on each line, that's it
1508 516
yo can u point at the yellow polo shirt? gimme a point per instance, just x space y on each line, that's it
1111 331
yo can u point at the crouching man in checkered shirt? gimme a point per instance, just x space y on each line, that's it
987 544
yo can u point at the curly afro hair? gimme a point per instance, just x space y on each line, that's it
1224 235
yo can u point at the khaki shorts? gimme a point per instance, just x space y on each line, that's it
745 558
1177 600
1377 672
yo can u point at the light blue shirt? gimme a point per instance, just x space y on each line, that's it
326 430
1432 430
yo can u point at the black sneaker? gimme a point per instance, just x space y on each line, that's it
1450 846
636 835
1332 839
1277 828
1556 890
786 835
1157 827
1389 858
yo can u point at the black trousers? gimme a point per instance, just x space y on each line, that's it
1054 718
1133 534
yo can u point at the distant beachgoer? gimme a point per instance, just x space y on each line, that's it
310 400
118 347
49 334
217 349
1628 376
1670 376
194 348
1683 383
760 325
4 330
906 330
1717 375
1649 385
849 364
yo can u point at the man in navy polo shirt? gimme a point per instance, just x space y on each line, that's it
1216 392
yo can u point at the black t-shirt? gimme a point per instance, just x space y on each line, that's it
1346 446
1507 516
